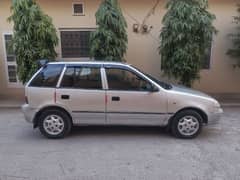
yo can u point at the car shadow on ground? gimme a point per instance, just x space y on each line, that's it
133 131
118 130
79 132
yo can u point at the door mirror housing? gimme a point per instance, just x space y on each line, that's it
154 89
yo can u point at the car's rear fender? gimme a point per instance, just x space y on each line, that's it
50 107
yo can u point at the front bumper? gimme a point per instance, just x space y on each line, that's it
29 113
214 117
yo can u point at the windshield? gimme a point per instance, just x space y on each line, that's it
164 85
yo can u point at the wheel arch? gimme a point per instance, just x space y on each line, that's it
198 110
50 107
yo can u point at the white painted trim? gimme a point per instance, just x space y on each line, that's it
211 53
76 59
59 48
83 6
104 79
9 84
77 29
61 76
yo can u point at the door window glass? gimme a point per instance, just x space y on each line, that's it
120 79
82 78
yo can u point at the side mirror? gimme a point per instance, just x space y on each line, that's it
151 88
154 89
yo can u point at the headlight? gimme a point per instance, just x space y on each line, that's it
217 105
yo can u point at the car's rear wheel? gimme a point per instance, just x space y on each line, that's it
187 124
54 124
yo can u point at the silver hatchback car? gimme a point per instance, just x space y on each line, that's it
65 94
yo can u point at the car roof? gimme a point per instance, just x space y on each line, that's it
89 62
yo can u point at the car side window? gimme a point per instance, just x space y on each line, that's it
121 79
48 76
82 78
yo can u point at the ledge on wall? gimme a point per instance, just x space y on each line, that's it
11 102
228 99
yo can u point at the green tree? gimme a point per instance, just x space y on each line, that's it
34 37
186 33
235 51
109 41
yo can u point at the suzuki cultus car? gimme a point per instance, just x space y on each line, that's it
66 94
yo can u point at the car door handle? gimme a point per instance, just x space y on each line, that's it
65 96
115 98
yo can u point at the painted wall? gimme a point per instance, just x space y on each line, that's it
142 49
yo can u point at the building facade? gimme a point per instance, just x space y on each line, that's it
75 19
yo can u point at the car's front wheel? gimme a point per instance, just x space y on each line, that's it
54 124
187 124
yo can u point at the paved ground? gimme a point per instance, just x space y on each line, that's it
121 153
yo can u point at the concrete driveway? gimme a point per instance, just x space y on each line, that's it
121 153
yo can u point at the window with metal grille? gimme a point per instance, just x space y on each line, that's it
75 44
10 59
78 9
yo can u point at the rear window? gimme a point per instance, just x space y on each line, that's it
48 76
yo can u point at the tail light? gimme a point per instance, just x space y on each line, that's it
26 100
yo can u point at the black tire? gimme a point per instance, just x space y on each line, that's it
66 121
179 117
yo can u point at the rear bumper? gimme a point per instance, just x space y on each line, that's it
29 113
214 117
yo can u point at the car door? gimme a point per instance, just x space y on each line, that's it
81 90
133 100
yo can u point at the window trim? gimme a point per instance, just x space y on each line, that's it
81 66
60 44
83 7
17 84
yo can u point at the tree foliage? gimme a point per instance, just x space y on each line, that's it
235 51
109 41
34 37
186 33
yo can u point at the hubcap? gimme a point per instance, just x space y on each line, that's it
53 124
188 125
